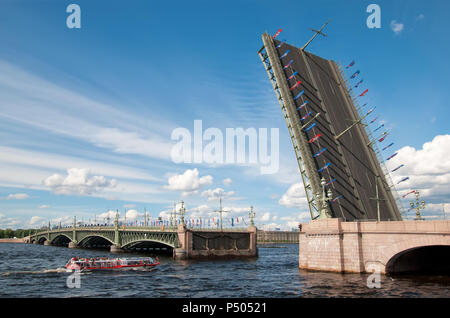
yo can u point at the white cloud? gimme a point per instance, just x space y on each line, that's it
18 196
78 182
294 197
188 182
227 181
216 194
397 27
129 206
134 214
37 221
428 169
265 217
44 206
420 17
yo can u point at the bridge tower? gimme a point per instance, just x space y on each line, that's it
116 247
74 242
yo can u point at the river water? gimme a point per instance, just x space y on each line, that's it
36 271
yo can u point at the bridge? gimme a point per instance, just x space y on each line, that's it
182 242
389 247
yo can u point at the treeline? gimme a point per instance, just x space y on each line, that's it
19 233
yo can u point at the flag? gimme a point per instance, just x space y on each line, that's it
359 83
232 222
292 76
315 138
320 152
397 168
391 144
278 32
404 196
310 127
351 64
299 94
289 64
302 105
328 183
379 128
370 111
337 198
306 116
281 44
373 120
392 156
403 180
294 86
382 139
325 167
355 74
364 93
364 105
285 54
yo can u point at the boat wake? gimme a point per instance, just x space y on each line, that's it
43 271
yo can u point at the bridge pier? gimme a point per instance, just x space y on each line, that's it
46 243
73 245
338 246
115 249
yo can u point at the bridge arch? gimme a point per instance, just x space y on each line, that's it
153 245
42 239
61 239
418 254
95 240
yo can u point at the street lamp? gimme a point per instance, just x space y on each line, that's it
251 215
417 205
322 202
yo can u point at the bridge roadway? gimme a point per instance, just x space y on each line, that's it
183 242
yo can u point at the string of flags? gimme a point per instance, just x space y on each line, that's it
385 134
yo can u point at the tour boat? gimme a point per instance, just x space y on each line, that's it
110 263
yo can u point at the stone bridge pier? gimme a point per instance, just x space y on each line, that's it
386 247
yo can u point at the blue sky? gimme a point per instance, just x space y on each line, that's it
103 101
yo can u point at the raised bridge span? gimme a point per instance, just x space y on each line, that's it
184 243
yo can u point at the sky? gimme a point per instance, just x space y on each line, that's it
87 115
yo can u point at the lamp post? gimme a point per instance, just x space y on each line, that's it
182 212
323 201
417 205
251 215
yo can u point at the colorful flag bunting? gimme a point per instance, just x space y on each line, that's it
320 152
328 183
397 168
315 138
404 196
359 83
310 127
285 54
351 64
355 74
294 86
281 44
392 156
292 76
289 64
403 180
364 93
299 94
391 144
337 198
306 116
278 32
325 167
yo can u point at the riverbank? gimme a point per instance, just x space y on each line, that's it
12 240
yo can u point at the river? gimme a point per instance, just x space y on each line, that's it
28 270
